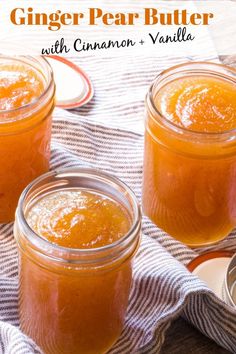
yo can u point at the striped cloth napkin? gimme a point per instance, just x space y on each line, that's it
107 134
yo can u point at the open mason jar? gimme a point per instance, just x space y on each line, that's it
26 103
189 177
74 300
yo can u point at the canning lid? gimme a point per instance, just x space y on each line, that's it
229 288
73 86
218 270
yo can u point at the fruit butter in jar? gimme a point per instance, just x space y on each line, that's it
189 178
77 232
27 93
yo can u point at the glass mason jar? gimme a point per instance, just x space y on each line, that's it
25 134
189 177
75 300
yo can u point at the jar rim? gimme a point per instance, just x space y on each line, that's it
39 242
229 281
197 64
45 91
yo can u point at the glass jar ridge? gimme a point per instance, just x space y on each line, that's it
84 179
172 131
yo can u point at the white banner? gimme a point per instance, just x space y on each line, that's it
76 27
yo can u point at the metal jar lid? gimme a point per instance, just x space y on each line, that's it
218 270
229 286
73 86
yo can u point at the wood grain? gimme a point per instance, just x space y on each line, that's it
182 338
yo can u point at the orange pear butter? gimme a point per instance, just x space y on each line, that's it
204 104
79 219
19 86
76 262
26 103
189 182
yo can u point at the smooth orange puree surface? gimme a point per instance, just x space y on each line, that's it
25 132
19 86
189 182
79 219
198 103
67 308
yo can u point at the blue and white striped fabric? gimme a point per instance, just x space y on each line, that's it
107 134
